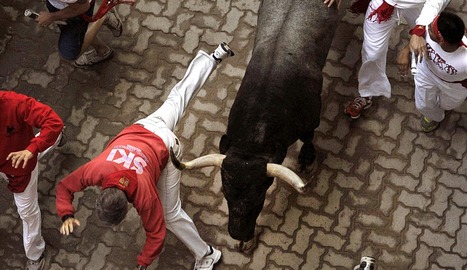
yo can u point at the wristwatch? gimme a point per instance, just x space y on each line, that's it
140 267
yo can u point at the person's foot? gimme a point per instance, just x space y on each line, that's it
221 52
208 261
91 57
428 125
355 108
37 264
114 23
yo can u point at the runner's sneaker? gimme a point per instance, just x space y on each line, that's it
355 108
91 57
114 23
221 52
37 264
428 125
208 261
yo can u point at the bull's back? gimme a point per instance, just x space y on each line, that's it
279 97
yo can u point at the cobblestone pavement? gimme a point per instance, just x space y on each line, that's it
383 188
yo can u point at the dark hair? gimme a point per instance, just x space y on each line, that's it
451 27
112 206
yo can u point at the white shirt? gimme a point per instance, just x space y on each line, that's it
448 66
61 4
430 9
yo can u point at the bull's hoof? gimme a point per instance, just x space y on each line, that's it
249 246
309 169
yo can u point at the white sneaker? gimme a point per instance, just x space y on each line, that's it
114 23
221 52
91 57
208 261
36 265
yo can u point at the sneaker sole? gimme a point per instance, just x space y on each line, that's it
427 130
84 66
226 48
217 258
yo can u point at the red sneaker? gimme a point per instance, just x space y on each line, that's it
355 108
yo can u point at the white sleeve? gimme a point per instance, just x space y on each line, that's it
430 10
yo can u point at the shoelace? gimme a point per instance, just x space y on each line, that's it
359 103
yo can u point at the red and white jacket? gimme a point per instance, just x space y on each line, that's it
19 115
132 161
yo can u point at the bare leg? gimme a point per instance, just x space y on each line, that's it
91 37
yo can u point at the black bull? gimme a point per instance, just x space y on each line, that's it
279 102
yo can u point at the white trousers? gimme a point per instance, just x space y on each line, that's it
372 77
30 213
162 123
433 96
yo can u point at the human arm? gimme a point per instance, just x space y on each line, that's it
430 10
152 218
64 195
403 61
72 10
38 115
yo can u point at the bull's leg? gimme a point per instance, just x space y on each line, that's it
307 152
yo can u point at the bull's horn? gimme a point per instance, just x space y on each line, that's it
203 161
287 175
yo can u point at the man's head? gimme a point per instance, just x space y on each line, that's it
112 206
447 27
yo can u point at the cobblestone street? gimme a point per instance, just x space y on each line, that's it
383 188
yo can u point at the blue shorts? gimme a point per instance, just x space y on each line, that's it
72 34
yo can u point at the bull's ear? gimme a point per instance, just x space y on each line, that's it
224 144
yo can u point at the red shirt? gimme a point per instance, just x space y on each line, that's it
19 114
137 149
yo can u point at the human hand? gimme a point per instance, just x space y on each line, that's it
418 46
67 225
403 61
18 157
45 18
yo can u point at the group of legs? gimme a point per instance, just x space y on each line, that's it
78 35
432 96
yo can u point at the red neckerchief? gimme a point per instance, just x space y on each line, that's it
124 180
383 12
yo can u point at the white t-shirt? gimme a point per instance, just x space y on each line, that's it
448 66
61 4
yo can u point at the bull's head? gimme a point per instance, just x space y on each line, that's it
245 180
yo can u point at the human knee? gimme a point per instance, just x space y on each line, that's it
29 211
